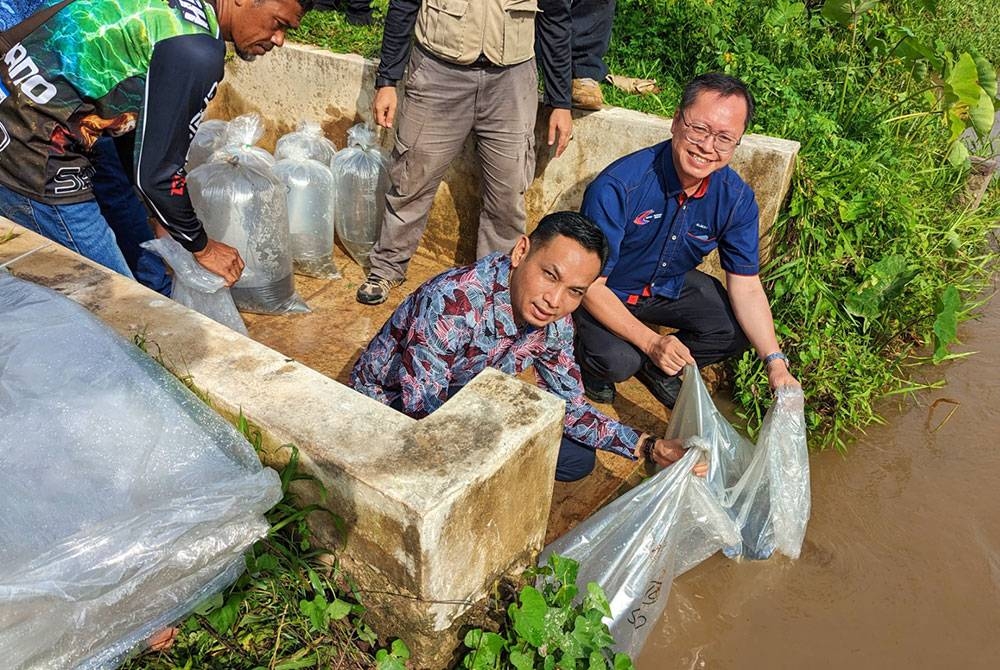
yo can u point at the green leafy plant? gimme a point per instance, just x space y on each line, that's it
547 628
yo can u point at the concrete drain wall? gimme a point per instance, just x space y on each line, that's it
435 509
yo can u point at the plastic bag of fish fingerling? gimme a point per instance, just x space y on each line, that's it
243 204
764 487
141 507
206 141
306 140
639 543
361 176
197 287
310 212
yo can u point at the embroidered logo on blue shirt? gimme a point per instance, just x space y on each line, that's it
702 232
646 217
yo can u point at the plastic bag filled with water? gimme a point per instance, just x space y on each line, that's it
639 543
126 500
764 487
242 203
306 140
206 141
310 202
195 286
361 176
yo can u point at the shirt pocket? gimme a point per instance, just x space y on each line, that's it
444 25
519 30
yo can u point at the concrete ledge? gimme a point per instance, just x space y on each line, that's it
435 509
301 82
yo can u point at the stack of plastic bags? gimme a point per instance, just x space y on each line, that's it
243 204
754 500
303 163
361 178
126 501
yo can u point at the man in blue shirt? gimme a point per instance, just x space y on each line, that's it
662 210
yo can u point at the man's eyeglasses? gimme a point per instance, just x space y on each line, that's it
698 133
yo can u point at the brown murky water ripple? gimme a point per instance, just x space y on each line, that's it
901 565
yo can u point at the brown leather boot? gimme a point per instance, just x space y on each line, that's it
587 94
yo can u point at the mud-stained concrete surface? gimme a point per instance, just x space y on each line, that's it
901 563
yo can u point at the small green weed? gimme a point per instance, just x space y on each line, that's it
546 629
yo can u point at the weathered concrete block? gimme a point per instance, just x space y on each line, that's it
435 509
335 90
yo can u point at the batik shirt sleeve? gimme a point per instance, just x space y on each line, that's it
559 374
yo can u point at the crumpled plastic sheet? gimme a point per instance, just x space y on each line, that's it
754 500
765 487
195 286
639 543
124 500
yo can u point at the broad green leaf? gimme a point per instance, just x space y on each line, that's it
223 618
946 322
529 618
846 12
963 81
982 114
522 660
623 662
885 281
338 609
386 661
987 75
315 609
596 661
564 569
596 599
958 153
309 662
209 604
400 649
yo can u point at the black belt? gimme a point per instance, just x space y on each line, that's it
481 63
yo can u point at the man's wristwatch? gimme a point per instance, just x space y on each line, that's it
647 448
776 356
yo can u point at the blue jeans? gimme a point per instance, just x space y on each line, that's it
78 226
127 216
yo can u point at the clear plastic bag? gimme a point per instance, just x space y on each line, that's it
126 500
765 487
306 141
361 178
206 141
310 212
242 204
196 287
639 543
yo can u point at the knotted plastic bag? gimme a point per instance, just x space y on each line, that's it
362 178
209 138
310 188
306 140
126 500
765 488
195 286
639 543
242 204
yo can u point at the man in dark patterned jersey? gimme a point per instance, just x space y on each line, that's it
78 69
508 312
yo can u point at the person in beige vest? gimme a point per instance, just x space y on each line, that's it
472 70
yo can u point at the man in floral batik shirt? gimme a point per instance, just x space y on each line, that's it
508 312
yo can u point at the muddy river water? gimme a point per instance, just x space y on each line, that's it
901 563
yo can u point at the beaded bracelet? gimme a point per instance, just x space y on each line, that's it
647 448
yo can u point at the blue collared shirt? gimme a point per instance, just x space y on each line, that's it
656 235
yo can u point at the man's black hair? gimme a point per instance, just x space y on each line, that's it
723 84
576 227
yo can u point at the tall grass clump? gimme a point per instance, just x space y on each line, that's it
875 260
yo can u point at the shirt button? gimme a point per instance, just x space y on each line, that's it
673 237
663 265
